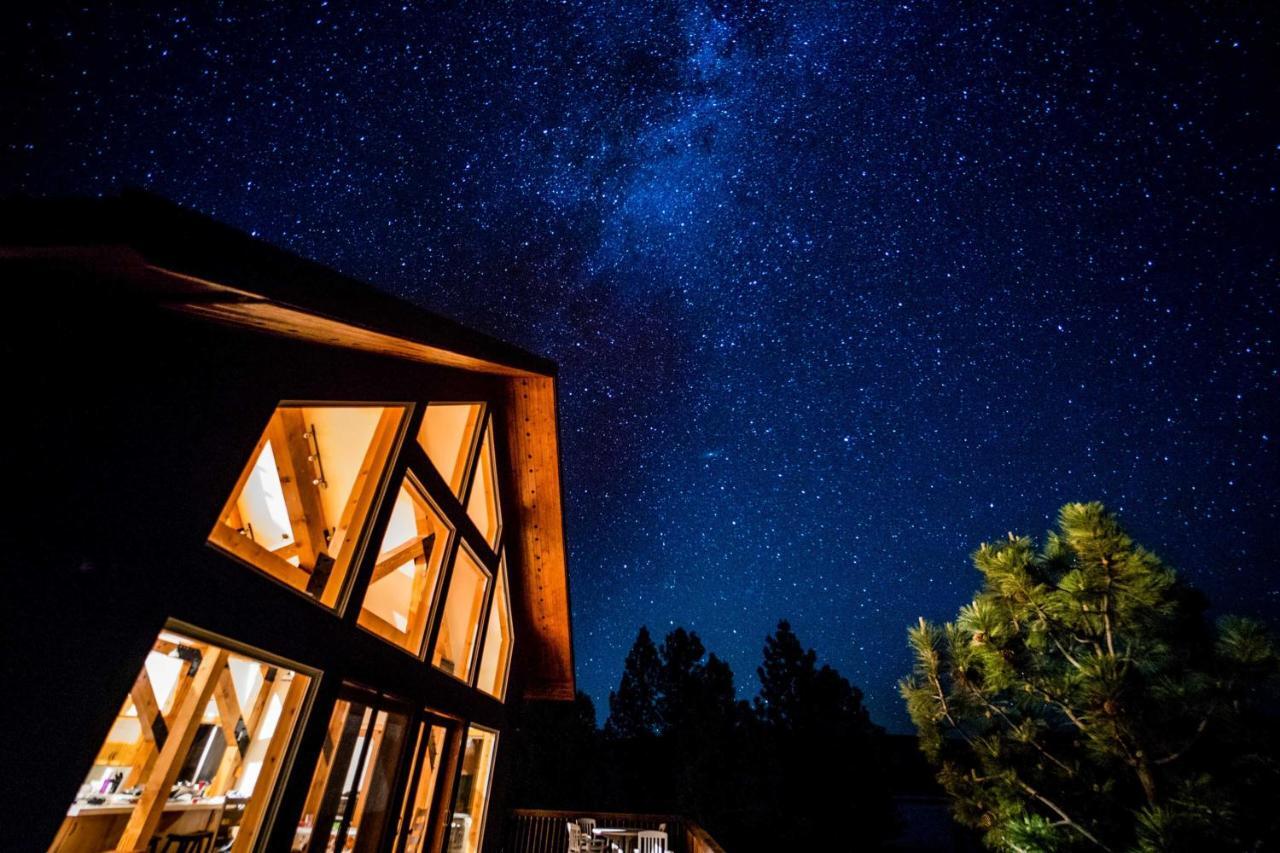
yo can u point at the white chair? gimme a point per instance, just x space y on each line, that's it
575 837
588 824
651 841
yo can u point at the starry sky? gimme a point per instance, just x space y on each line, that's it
838 290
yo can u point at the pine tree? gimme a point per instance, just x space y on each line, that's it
784 677
1082 702
820 753
633 709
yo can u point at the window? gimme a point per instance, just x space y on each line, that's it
306 491
397 603
495 657
460 621
426 785
347 803
196 746
448 434
482 503
466 829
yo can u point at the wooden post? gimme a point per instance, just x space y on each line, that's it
287 433
272 759
181 687
230 719
337 723
186 722
361 499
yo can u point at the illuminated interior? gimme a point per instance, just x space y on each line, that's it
482 503
448 435
460 619
201 721
495 660
466 829
305 493
425 785
397 603
351 788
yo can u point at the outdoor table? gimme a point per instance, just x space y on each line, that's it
626 836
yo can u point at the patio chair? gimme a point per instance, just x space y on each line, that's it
575 837
651 841
588 824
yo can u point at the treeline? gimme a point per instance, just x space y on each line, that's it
801 764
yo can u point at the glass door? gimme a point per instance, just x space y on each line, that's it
426 785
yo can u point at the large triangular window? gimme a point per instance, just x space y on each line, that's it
495 660
302 499
397 602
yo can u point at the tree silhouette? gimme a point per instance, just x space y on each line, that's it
633 708
823 751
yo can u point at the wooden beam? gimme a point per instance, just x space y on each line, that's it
229 771
272 761
230 720
361 498
287 432
155 792
540 592
224 697
154 728
371 621
372 765
181 687
397 557
255 555
143 694
296 323
325 761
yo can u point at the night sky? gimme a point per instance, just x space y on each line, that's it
837 290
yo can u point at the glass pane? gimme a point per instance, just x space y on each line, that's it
447 434
415 815
195 747
460 622
482 504
352 782
496 654
467 827
397 602
306 491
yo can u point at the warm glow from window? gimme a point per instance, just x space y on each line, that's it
460 621
466 830
425 785
495 656
351 786
306 491
448 435
212 724
482 504
397 602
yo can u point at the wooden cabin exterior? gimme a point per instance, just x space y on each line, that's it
276 535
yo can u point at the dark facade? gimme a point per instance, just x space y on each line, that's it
147 351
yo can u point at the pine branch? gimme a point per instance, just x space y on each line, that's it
1056 809
1106 619
977 694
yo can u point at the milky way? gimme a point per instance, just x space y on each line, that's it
838 290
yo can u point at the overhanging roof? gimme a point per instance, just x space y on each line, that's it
192 264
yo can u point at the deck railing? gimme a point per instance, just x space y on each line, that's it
543 831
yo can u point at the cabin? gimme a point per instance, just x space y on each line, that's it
285 553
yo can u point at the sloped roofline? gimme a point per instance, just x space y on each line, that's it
196 265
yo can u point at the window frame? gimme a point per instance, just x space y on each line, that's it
361 530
